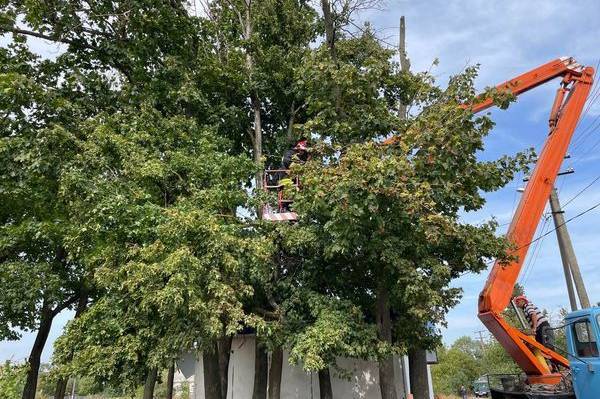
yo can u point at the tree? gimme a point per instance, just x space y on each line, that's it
386 217
42 105
466 360
171 270
271 37
455 369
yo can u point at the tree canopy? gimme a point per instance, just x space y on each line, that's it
132 186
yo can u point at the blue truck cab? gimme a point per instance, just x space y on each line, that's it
582 333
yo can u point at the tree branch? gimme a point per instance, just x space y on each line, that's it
71 301
14 29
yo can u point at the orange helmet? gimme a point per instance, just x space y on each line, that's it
521 298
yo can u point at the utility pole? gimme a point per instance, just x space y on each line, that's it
418 368
404 62
480 333
567 254
73 388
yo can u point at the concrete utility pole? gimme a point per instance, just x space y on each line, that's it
404 62
567 254
481 341
73 389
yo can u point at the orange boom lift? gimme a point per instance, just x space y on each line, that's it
496 294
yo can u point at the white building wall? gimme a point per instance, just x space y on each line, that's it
295 382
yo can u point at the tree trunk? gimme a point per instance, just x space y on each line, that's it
330 38
261 372
404 62
417 365
290 127
61 388
61 384
224 346
329 29
212 379
325 391
384 326
150 383
275 373
170 377
257 144
254 98
36 353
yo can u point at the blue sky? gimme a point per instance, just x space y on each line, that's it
507 38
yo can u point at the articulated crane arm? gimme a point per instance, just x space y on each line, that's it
496 294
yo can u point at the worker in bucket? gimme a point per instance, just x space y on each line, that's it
298 154
537 320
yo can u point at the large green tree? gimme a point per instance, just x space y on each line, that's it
43 103
387 217
158 198
134 164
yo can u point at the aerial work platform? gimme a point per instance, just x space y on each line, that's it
278 181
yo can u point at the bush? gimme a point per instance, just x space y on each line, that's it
12 380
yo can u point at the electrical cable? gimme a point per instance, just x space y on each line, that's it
594 95
580 192
541 236
535 254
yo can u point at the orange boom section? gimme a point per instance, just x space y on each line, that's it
495 296
566 110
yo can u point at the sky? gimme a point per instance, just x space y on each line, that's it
506 38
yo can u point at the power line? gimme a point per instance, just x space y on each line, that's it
534 255
541 236
580 192
594 97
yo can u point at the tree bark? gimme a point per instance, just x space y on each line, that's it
61 388
261 372
384 326
224 347
257 143
330 38
61 384
275 373
246 22
150 383
404 62
36 352
212 379
328 19
325 391
170 378
290 127
417 365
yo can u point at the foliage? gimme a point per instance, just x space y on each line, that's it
128 164
391 213
463 362
456 367
157 198
12 380
37 271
